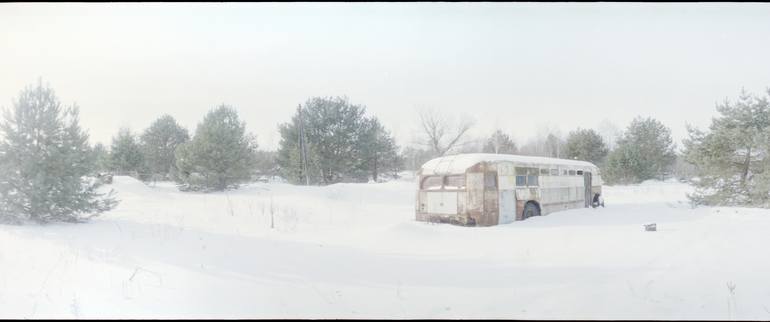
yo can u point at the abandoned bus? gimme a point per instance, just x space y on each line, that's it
489 189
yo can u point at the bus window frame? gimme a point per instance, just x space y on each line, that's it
445 180
440 186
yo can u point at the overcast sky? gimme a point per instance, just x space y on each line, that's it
515 66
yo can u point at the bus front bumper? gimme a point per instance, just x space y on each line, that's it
446 219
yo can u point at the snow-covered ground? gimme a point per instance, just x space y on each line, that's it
273 250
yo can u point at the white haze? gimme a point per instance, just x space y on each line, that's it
520 67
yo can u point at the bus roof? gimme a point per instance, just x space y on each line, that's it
455 164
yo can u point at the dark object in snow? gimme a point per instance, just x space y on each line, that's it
650 227
105 178
598 200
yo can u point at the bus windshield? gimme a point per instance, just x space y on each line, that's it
431 183
455 182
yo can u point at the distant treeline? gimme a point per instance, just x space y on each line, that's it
45 157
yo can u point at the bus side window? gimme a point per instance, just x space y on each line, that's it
554 172
521 181
532 180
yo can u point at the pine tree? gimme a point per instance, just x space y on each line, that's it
500 143
731 160
554 146
335 132
101 157
683 170
220 156
622 165
289 156
159 142
645 151
266 163
126 156
586 145
334 128
379 153
44 161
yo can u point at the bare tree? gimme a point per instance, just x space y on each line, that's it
609 132
440 134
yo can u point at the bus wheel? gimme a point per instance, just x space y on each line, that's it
530 210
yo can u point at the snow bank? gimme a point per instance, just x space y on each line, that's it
355 251
647 192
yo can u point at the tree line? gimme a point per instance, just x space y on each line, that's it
645 150
49 171
728 163
47 165
342 144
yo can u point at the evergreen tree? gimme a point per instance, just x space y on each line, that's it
683 170
645 151
622 165
126 156
586 145
220 156
159 142
379 153
554 146
266 163
500 143
731 159
289 156
44 161
335 132
101 157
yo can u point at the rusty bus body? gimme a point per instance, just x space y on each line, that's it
490 189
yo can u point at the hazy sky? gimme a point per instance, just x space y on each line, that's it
515 66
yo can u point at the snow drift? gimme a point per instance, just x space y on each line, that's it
273 250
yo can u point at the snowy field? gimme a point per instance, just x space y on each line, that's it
354 251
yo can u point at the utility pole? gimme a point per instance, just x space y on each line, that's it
302 149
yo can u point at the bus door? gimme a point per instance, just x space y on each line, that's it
587 182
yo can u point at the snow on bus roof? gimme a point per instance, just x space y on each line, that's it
460 162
